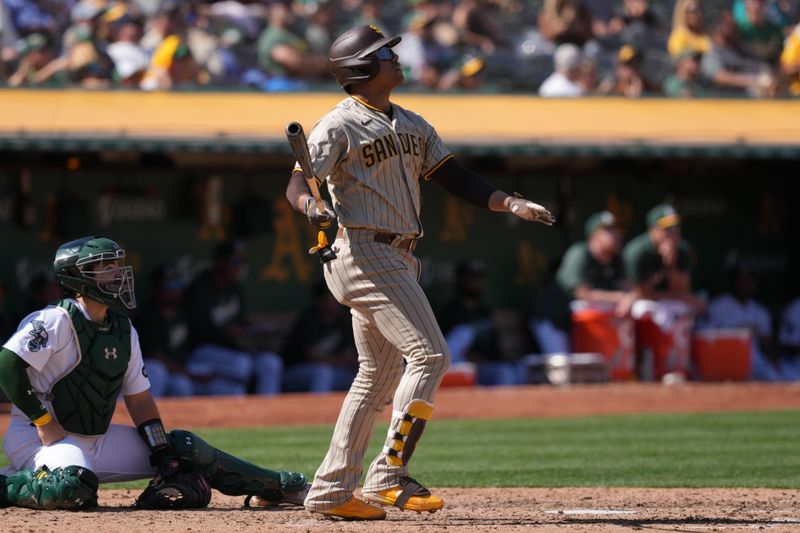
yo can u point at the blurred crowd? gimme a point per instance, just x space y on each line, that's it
556 48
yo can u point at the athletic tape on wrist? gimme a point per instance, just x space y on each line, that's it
43 420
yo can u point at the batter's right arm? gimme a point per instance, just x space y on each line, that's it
299 195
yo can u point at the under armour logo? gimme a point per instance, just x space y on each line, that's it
111 353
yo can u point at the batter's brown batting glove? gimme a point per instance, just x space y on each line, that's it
315 217
527 210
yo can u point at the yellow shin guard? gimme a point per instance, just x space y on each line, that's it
401 442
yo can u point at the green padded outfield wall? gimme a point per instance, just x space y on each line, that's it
176 215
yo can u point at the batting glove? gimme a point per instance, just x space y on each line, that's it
527 210
315 217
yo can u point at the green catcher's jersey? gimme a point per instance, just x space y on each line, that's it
84 399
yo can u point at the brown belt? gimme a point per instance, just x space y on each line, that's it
388 238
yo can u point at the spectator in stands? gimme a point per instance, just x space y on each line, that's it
285 55
688 29
627 79
319 354
731 71
37 51
167 20
759 37
466 75
790 62
172 66
423 56
84 16
370 12
565 81
475 23
88 66
321 27
565 21
658 262
686 81
637 25
29 16
222 340
601 12
470 330
130 59
738 309
592 270
789 338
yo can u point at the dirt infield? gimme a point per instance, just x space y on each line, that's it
468 510
571 509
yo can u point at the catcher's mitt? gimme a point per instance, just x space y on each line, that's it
177 486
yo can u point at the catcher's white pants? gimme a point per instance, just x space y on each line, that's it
119 455
392 322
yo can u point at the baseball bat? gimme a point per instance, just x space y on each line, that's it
299 145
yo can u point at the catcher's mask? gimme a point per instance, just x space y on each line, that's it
95 267
354 56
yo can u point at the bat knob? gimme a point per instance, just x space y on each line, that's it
325 251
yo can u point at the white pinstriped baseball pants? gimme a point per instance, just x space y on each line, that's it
392 320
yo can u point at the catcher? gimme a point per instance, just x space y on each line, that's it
64 370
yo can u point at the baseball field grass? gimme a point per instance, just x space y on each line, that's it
738 449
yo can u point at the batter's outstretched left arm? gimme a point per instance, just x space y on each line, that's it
478 191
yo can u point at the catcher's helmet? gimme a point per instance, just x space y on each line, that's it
79 270
349 53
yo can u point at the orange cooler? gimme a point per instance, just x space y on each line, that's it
599 331
722 354
663 350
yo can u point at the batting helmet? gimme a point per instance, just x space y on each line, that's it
349 54
78 270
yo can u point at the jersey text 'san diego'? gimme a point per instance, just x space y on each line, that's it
373 164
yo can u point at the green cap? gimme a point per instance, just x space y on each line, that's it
663 216
603 219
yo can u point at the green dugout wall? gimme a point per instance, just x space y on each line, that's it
173 208
171 174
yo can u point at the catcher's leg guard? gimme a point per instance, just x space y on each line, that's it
403 440
3 499
71 488
231 475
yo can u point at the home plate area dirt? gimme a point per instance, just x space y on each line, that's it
467 510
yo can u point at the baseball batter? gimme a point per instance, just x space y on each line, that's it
64 370
372 154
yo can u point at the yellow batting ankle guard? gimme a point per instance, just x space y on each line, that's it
402 442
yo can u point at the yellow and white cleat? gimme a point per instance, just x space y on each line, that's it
408 495
354 509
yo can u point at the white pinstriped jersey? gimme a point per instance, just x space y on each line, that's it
373 164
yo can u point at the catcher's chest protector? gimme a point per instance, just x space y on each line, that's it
84 399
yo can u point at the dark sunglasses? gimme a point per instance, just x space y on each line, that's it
384 53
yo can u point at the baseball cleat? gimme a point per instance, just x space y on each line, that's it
296 498
354 509
408 495
291 499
